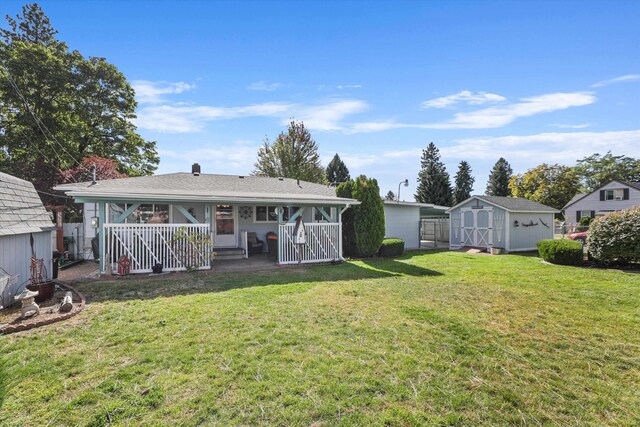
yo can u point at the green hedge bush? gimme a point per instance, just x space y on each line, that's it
615 238
565 252
391 247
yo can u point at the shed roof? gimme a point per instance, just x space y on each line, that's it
21 210
512 204
207 187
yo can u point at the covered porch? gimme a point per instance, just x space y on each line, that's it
196 235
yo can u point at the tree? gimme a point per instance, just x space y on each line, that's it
551 185
390 196
434 183
363 225
337 171
498 183
464 183
58 107
293 154
104 168
596 170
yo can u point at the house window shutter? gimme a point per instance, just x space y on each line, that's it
625 194
578 216
593 214
601 195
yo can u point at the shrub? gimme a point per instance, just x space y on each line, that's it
584 223
615 238
391 247
565 252
363 227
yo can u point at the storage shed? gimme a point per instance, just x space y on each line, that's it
402 220
510 223
22 218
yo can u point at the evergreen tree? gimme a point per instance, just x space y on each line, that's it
363 225
498 183
293 154
464 183
390 196
337 171
434 183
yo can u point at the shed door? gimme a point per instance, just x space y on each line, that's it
484 235
468 228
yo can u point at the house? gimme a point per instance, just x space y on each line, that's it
510 223
25 231
140 217
404 220
614 196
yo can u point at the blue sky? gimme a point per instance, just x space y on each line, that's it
375 82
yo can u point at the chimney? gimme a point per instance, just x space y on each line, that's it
195 169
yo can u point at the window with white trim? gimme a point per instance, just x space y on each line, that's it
270 213
617 194
585 214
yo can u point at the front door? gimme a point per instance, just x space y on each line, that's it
225 226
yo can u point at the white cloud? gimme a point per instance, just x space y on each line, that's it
551 147
327 117
491 117
464 96
568 126
148 92
188 118
264 86
229 157
349 86
622 79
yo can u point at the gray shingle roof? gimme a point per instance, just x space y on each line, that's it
635 185
517 204
575 199
21 210
203 187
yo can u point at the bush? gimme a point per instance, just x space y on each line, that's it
584 223
363 225
615 238
565 252
391 247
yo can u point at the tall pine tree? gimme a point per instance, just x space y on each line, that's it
434 183
337 171
464 183
498 183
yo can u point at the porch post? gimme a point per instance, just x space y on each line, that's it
101 230
280 242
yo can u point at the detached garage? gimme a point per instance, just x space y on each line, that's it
402 220
510 223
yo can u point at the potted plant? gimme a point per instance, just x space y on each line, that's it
38 282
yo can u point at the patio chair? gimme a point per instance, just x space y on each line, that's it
255 244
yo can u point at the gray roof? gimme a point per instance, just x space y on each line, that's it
21 210
575 199
635 185
206 187
517 204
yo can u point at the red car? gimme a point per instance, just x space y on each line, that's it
580 237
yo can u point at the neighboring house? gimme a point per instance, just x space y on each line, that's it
140 217
511 223
25 230
403 220
614 196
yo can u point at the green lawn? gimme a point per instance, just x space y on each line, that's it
436 338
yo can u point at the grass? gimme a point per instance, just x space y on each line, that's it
438 338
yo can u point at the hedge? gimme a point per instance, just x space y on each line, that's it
391 247
615 238
565 252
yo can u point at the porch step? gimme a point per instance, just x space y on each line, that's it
228 253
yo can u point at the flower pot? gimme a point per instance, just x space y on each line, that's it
45 290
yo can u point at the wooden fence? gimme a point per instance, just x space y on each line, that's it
176 246
322 245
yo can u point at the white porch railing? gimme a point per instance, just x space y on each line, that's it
148 244
323 244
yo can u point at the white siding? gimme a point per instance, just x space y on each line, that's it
523 237
592 202
403 222
15 258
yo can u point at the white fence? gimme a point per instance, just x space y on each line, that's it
176 246
323 244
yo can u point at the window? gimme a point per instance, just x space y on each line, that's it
585 214
617 194
317 215
270 213
150 213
